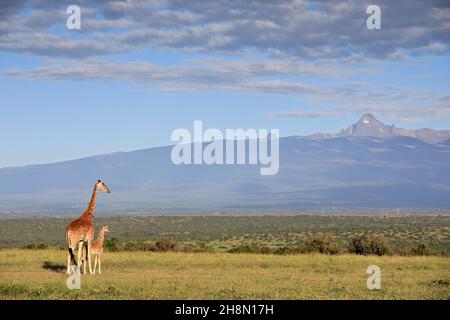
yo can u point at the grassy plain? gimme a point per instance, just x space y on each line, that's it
39 274
223 232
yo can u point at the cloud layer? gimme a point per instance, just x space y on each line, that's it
304 48
299 28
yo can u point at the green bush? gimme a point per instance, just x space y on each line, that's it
320 243
139 245
368 245
206 247
422 249
290 250
282 250
166 244
250 248
37 246
265 250
112 245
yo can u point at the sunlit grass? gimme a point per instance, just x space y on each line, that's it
34 274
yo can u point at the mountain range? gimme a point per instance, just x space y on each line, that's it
369 126
368 166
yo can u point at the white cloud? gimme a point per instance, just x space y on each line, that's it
271 46
325 29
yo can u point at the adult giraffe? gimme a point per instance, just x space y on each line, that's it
81 231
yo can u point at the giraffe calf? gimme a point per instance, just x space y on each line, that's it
96 250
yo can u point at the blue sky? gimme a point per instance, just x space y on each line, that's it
138 70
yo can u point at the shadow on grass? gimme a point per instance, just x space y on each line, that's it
55 267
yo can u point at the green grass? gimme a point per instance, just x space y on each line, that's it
39 274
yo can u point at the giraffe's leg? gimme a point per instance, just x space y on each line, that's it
80 252
68 262
88 255
99 265
84 261
95 263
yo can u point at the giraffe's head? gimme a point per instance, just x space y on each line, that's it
105 229
102 187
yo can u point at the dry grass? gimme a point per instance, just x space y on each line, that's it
37 274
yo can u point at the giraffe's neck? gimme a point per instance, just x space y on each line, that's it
89 213
100 239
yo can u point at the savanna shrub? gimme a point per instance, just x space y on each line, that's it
206 247
37 246
166 244
422 249
368 245
290 250
139 245
113 245
320 243
249 248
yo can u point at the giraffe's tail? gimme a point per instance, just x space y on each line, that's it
69 245
72 257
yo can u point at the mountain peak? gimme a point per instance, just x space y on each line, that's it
367 125
367 118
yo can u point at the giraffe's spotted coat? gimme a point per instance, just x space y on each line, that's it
80 232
